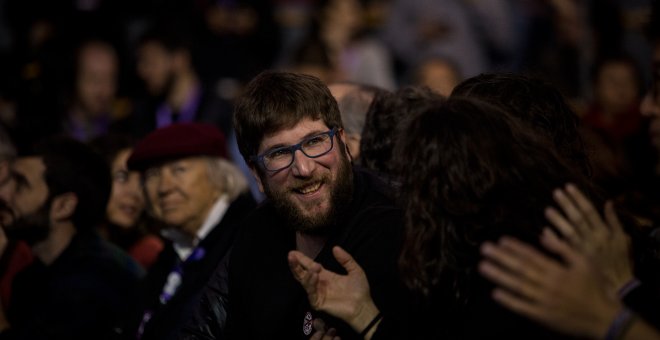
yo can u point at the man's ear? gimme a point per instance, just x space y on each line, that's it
63 206
255 173
342 135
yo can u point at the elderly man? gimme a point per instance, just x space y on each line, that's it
290 131
200 197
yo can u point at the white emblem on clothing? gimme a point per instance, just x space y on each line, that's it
307 324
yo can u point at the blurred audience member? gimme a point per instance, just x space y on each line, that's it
79 286
614 120
463 31
127 224
92 108
201 199
439 74
17 254
354 101
165 64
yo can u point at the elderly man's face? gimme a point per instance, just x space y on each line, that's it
181 193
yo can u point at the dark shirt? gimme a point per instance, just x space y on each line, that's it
266 302
84 294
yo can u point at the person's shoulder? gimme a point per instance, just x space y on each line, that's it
98 256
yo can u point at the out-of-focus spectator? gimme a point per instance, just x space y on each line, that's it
176 93
79 286
93 105
17 254
463 31
614 125
336 29
127 224
354 101
439 74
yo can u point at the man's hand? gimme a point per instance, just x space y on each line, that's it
344 296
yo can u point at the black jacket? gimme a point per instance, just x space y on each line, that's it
167 320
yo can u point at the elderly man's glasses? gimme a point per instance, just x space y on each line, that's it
281 158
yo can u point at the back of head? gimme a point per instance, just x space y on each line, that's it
536 103
382 120
276 100
470 173
73 167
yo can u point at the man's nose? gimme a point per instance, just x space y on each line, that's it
302 166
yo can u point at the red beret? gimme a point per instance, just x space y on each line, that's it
177 141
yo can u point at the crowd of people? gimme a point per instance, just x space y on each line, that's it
329 169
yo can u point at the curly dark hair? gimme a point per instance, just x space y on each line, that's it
534 102
470 173
384 118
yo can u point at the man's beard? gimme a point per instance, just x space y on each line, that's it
32 228
319 224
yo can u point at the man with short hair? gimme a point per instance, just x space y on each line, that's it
78 286
290 132
200 197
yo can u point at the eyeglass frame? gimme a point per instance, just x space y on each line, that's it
259 159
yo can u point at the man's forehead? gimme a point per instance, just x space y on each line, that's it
292 135
31 167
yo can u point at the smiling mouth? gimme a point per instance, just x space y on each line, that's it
309 189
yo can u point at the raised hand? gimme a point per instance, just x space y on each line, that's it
603 241
568 297
344 296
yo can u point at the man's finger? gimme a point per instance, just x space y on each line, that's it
346 260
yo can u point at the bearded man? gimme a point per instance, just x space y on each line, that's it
78 286
290 133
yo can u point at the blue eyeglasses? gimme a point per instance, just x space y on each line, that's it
281 158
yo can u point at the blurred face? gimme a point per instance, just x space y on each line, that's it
616 88
96 84
311 191
155 66
180 193
439 76
29 201
126 202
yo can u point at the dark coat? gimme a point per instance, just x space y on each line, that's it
166 321
84 294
